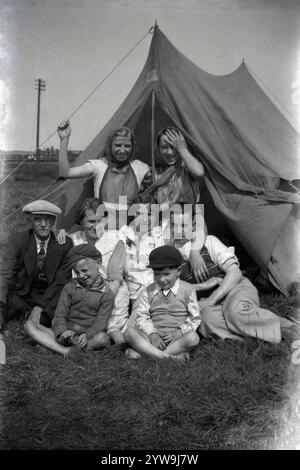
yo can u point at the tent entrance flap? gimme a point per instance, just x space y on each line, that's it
142 127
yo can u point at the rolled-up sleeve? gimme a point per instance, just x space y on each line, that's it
193 320
98 169
222 255
120 313
115 268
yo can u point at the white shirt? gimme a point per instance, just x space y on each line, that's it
223 256
38 244
173 289
136 273
100 166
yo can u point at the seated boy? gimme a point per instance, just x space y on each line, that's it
231 308
93 219
167 313
85 303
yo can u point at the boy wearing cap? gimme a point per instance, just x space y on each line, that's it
167 312
85 304
33 271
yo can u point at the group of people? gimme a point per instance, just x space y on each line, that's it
154 285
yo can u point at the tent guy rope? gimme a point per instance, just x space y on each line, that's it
150 31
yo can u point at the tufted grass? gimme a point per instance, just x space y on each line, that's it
231 395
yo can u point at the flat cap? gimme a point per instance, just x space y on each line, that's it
84 250
165 257
41 207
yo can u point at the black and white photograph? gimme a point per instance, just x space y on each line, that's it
149 228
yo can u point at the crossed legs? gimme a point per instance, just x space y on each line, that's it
141 343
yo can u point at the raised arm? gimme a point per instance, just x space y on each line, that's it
64 169
177 141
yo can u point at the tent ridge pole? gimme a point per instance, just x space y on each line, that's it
152 135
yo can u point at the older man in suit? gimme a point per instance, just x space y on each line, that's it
33 271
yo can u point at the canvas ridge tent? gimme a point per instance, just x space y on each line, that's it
247 146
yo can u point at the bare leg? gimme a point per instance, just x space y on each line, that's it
98 341
142 345
132 354
117 337
183 344
44 336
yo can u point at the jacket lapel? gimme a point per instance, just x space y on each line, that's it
53 257
30 255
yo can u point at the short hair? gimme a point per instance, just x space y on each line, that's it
91 203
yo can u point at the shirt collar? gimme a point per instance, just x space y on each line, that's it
99 284
173 289
38 242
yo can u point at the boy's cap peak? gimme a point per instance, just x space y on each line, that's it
84 250
165 257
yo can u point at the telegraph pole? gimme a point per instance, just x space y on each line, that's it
40 86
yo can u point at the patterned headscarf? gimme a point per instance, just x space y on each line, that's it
168 175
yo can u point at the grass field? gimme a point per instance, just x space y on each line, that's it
229 396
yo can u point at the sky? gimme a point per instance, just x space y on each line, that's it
74 44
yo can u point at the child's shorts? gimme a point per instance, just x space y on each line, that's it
172 331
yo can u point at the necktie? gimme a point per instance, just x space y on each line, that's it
41 256
166 293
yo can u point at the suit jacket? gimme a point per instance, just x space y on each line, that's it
18 265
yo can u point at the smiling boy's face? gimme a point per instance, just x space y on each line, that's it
166 277
87 270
